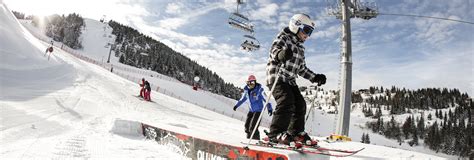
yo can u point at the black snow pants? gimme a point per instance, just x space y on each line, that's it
251 123
289 112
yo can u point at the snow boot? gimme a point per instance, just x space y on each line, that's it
283 138
270 140
305 139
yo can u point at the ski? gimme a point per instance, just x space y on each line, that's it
322 148
308 150
327 152
334 149
141 98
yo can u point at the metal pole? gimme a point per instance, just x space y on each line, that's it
110 50
346 70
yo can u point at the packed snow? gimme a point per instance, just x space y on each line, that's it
66 107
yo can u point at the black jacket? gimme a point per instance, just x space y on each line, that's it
293 67
147 86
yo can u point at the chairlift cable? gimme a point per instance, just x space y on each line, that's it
420 16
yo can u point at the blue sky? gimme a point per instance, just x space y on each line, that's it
388 50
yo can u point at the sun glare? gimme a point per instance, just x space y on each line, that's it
39 8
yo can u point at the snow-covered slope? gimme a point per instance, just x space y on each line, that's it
95 38
67 109
23 67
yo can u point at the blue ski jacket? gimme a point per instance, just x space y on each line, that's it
255 96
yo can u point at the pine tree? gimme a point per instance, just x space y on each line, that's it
380 125
372 90
363 138
413 126
394 129
370 113
421 126
378 113
122 59
407 127
414 141
468 132
73 30
18 15
367 138
445 120
432 139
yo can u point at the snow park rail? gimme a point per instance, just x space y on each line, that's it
197 149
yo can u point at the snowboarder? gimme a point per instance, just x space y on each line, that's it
147 91
288 122
142 90
253 91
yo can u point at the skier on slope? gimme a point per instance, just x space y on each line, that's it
288 119
49 49
253 91
147 91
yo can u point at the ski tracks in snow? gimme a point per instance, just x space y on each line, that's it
72 147
77 144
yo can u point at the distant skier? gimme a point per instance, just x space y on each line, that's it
253 91
288 121
147 91
50 50
142 90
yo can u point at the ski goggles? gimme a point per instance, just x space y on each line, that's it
251 82
306 29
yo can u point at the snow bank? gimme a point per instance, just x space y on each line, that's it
18 45
23 66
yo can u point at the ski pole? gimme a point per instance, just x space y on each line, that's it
264 107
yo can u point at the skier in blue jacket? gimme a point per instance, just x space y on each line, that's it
253 91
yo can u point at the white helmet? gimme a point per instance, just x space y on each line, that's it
301 22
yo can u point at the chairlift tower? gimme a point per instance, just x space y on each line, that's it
345 10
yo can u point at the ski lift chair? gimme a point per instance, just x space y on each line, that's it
239 21
250 43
